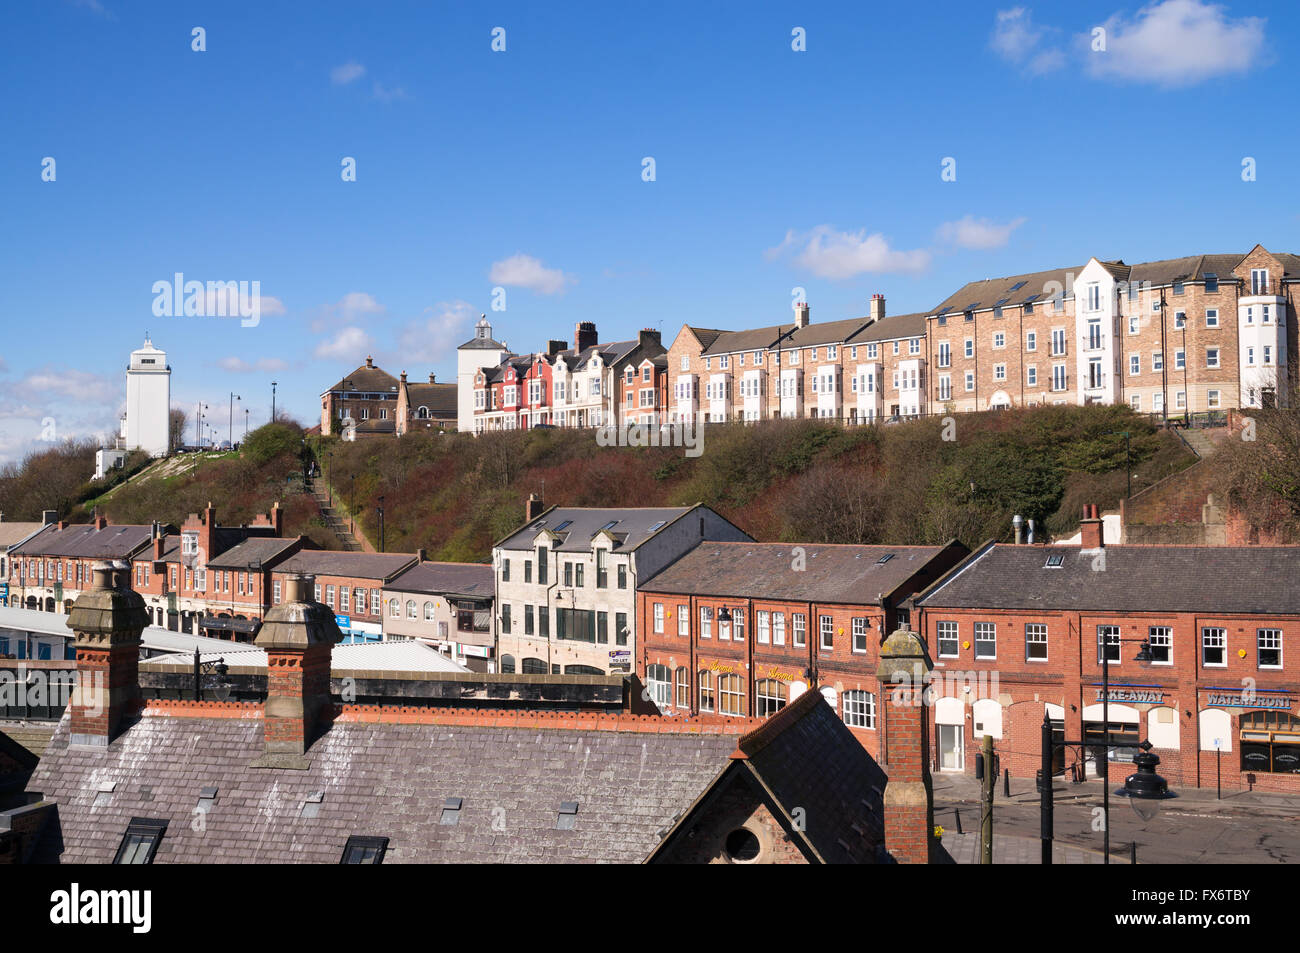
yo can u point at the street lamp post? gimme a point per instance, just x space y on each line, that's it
230 432
245 423
273 383
198 424
329 455
1144 786
352 503
381 524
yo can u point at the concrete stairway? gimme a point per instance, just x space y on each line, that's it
1201 441
336 525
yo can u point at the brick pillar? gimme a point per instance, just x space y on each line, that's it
106 620
909 798
298 636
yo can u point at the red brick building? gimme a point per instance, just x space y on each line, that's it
1019 630
350 583
742 629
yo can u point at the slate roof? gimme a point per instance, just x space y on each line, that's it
476 580
751 339
633 526
828 332
83 541
380 780
259 550
706 336
844 574
1207 579
439 398
806 757
367 379
12 533
324 562
984 294
890 328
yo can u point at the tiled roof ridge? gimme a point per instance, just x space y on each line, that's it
759 542
470 717
768 731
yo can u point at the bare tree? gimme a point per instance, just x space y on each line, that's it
176 421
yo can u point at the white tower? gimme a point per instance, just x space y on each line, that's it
478 352
148 400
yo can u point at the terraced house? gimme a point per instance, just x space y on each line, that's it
1184 335
587 385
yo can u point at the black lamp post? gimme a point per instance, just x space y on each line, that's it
230 425
329 455
1145 787
381 524
273 383
352 502
222 687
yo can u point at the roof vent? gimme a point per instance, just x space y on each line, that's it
568 816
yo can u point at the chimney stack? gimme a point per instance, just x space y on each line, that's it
584 336
909 795
298 636
370 361
1090 528
555 347
877 307
403 377
100 522
533 508
801 314
48 517
432 379
106 621
277 518
647 337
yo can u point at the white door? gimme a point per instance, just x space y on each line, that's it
952 757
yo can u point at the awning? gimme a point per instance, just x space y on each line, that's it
247 626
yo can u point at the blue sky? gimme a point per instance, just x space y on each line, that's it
774 169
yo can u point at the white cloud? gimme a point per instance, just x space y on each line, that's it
1017 39
970 232
828 253
265 365
354 307
342 75
437 333
1178 43
53 403
524 271
349 344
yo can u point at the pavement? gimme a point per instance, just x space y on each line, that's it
1246 827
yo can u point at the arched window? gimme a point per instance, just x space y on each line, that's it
1216 725
706 690
428 612
859 709
394 609
410 609
683 688
508 664
582 670
658 680
423 413
731 695
987 717
534 666
770 695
